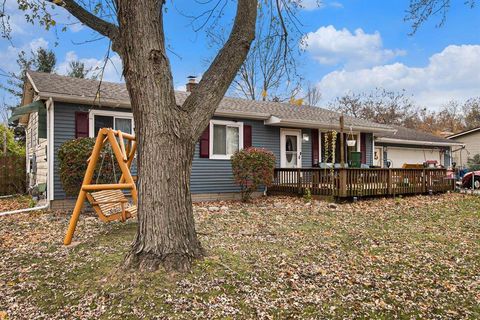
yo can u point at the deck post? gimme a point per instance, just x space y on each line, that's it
424 181
342 142
343 182
299 181
389 181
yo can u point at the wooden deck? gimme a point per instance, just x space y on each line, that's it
352 182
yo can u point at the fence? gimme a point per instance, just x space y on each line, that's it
12 175
352 182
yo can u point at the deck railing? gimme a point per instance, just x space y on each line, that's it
352 182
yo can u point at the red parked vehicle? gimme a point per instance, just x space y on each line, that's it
467 180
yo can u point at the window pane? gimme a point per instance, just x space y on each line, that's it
232 140
102 122
124 125
291 151
219 139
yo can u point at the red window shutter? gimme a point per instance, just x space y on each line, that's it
247 136
315 151
81 124
322 141
205 143
363 147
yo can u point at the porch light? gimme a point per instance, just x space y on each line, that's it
306 137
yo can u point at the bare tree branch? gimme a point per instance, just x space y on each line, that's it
419 11
103 27
203 101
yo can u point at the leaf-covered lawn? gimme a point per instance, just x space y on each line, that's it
15 203
416 257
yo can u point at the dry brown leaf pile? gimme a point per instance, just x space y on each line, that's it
278 257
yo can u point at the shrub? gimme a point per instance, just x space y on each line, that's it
73 156
13 147
252 167
307 195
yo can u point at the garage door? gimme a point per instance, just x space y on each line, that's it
399 156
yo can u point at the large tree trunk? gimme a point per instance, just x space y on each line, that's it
167 133
166 229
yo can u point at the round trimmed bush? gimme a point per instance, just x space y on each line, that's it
252 167
73 156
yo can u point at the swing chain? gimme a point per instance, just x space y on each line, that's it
101 165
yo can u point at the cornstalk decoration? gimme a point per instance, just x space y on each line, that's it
325 147
333 146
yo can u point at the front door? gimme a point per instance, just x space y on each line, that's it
291 148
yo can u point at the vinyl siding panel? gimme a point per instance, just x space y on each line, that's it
472 147
369 148
307 149
215 176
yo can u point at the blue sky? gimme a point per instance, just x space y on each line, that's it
353 46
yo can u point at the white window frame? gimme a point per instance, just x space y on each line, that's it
238 125
107 113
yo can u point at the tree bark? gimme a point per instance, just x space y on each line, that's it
167 133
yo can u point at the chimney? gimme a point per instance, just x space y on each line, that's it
192 82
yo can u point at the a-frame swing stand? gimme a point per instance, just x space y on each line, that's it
108 200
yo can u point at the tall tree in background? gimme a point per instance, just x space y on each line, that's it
471 111
381 106
42 60
270 70
166 131
312 96
76 69
450 117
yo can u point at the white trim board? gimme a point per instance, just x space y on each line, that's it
50 105
115 114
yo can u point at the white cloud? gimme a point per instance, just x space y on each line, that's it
9 56
453 73
336 4
355 50
112 72
182 87
311 5
36 44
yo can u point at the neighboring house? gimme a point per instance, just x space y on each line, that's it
408 146
58 108
471 140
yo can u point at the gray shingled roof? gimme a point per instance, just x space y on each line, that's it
414 135
117 92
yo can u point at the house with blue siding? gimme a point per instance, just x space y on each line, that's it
57 108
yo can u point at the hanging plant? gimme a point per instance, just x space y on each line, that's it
351 142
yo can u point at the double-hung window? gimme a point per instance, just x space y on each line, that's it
226 137
122 121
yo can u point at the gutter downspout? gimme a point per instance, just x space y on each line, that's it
7 213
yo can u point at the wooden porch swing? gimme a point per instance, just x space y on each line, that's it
108 200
